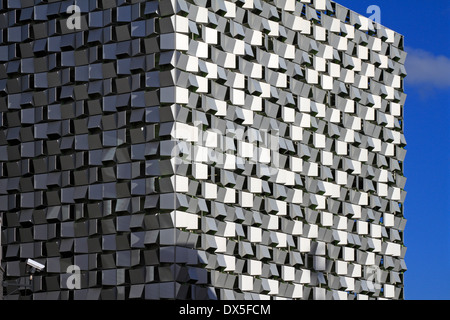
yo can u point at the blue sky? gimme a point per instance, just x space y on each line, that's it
426 27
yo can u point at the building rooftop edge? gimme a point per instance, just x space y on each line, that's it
360 14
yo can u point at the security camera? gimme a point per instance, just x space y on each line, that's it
36 265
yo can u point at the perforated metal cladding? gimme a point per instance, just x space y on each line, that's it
202 150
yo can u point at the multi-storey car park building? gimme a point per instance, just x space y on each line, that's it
201 149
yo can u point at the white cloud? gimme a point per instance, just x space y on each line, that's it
427 70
